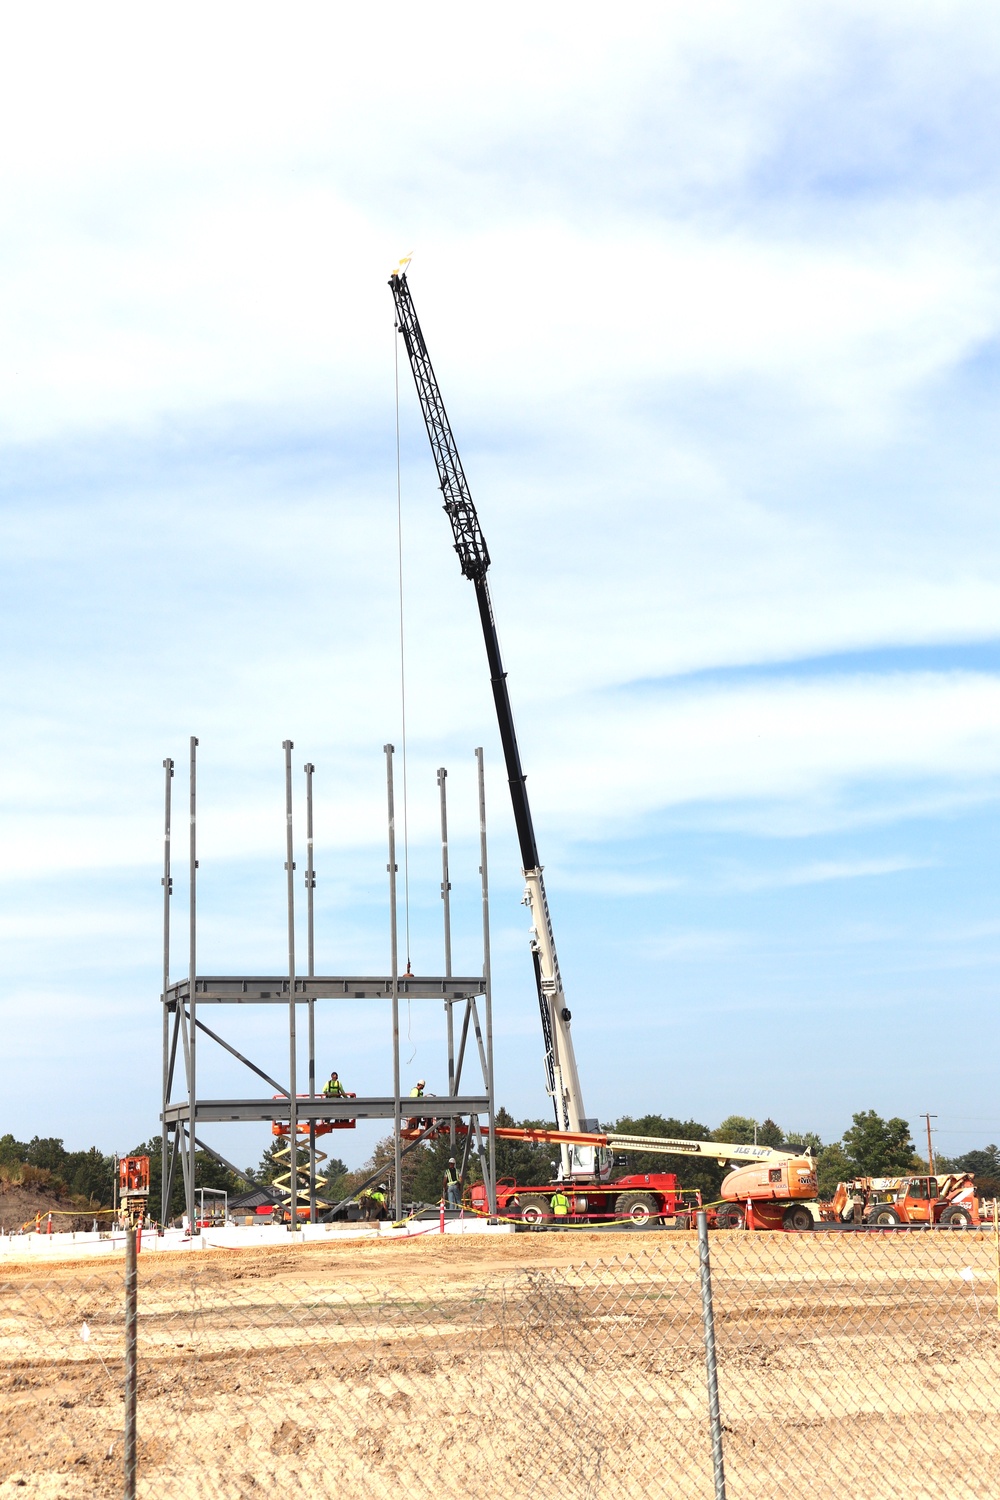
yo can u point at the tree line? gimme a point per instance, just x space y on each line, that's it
871 1147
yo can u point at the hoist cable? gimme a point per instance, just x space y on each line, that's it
402 671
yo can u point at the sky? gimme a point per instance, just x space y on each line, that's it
713 296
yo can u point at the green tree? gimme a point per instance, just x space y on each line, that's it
832 1166
736 1128
877 1147
91 1175
48 1153
335 1172
12 1152
803 1140
269 1166
983 1164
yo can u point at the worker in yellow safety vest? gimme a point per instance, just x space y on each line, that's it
378 1197
333 1088
560 1204
418 1122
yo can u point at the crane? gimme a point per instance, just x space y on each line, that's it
586 1152
562 1078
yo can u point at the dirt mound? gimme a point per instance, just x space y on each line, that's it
19 1206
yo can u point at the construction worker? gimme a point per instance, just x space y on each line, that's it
452 1184
560 1204
333 1088
417 1092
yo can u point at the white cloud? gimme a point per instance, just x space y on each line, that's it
821 871
774 741
712 295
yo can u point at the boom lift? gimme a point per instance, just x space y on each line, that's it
587 1154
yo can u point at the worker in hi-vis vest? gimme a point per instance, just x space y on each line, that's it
417 1091
333 1088
560 1204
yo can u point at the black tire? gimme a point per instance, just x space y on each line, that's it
956 1216
535 1212
730 1216
797 1218
641 1208
883 1215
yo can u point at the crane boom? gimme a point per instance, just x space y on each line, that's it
562 1080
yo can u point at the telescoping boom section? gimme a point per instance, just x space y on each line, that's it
562 1080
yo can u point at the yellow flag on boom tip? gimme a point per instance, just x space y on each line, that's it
398 270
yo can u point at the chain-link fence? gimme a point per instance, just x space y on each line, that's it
449 1369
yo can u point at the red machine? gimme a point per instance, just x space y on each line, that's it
948 1199
133 1188
641 1199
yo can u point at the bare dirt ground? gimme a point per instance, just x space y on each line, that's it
455 1367
19 1205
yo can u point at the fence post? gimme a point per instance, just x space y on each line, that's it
131 1358
708 1323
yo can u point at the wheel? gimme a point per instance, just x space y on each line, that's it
797 1218
535 1212
730 1216
883 1213
639 1207
956 1216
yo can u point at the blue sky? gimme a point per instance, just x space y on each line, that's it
713 297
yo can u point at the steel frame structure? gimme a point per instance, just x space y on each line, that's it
183 1027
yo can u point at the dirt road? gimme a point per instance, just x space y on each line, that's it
452 1367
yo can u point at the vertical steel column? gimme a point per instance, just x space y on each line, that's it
293 1118
131 1359
442 777
311 958
168 768
488 987
711 1368
445 881
192 983
394 947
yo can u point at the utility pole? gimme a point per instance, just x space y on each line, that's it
930 1148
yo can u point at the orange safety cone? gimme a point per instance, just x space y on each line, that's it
749 1222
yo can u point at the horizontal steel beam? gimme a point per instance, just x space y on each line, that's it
278 989
207 1110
